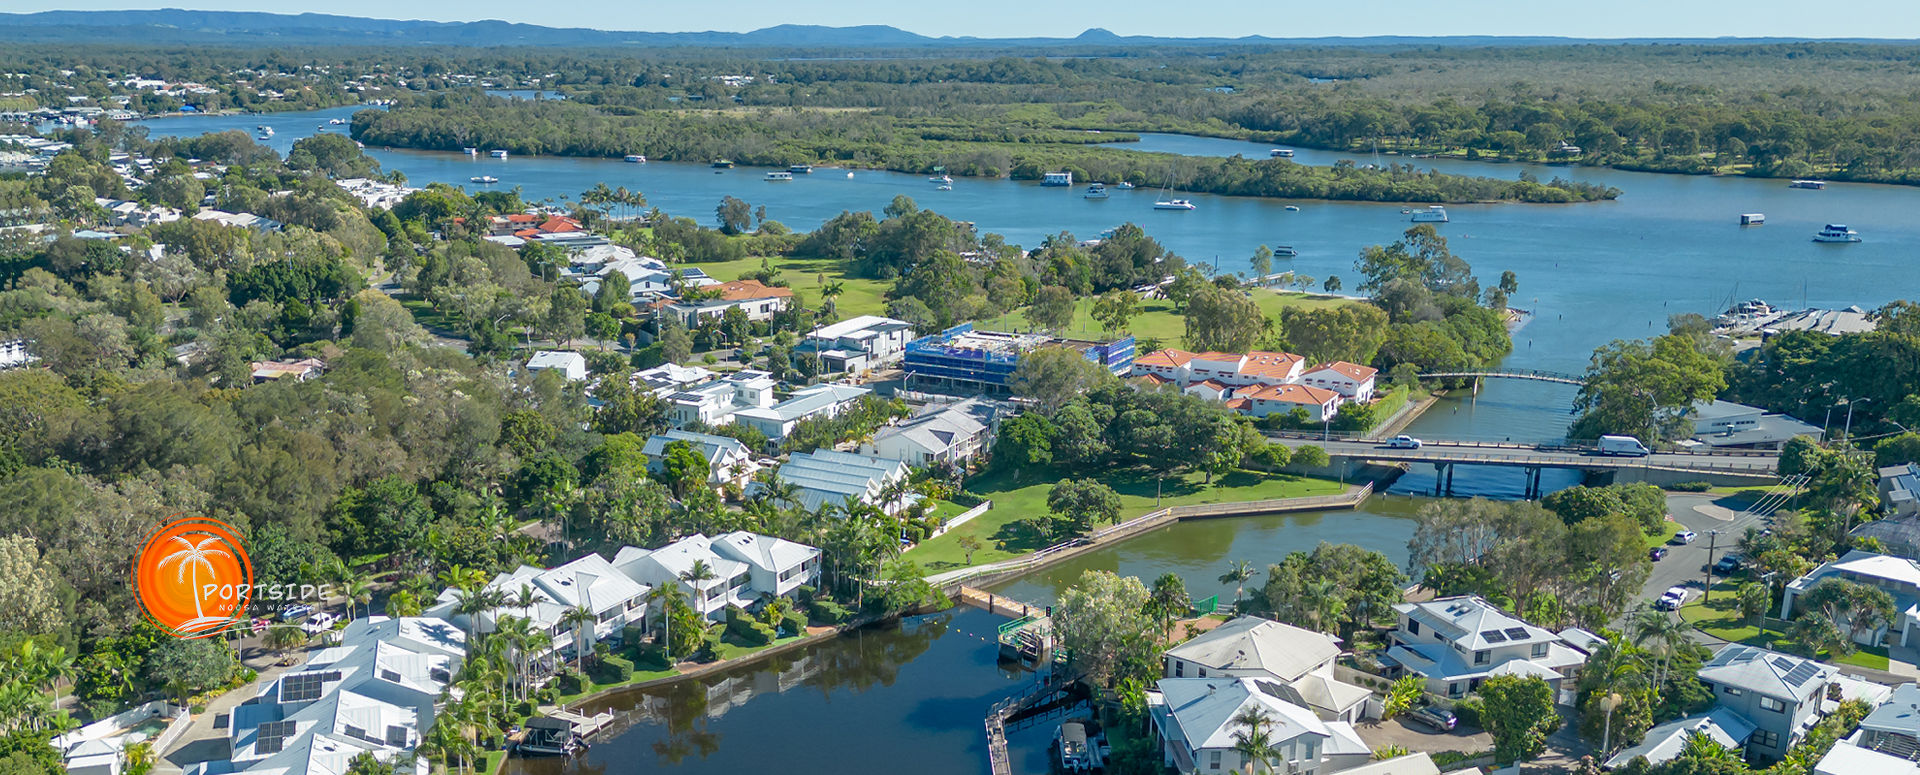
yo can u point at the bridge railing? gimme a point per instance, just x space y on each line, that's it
1557 445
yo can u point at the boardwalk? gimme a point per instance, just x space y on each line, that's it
998 605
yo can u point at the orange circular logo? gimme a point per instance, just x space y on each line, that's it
193 577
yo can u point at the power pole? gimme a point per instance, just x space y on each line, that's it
1712 537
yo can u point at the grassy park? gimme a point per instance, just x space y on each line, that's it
1157 319
1016 497
1720 617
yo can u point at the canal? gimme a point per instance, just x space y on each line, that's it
914 695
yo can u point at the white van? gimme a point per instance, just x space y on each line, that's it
1627 446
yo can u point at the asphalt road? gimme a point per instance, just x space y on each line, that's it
1685 564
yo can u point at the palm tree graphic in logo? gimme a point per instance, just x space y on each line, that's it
190 558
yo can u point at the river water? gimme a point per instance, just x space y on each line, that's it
1591 273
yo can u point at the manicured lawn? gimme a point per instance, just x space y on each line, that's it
858 296
1016 498
1720 617
1157 319
729 649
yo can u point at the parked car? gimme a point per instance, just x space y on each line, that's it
1403 441
1684 537
1728 564
1657 553
321 622
1441 719
1672 599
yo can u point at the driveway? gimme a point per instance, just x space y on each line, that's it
1685 564
1421 738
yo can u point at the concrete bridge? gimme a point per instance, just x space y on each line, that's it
1720 467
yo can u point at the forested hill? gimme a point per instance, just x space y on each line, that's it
174 26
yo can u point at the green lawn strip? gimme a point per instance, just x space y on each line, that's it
1720 617
858 296
730 648
1157 318
1015 499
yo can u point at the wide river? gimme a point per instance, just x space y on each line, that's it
1591 272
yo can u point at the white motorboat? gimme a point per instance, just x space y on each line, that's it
1812 184
1097 191
471 151
1753 219
1281 153
1434 214
1123 186
1836 232
1293 208
497 154
1285 251
485 180
634 158
266 133
940 179
1173 204
779 176
801 169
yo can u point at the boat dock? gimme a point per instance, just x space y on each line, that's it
998 605
583 725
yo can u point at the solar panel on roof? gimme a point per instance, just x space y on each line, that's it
1799 675
397 736
1517 633
1493 636
271 737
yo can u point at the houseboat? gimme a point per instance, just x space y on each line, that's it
485 180
1284 251
498 154
1434 214
1097 191
1753 219
1057 179
1280 153
778 176
634 158
801 169
1813 184
723 164
1074 749
1836 232
1173 204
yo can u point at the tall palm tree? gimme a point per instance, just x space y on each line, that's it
1661 634
357 590
1169 601
582 619
471 603
695 575
520 637
1237 575
665 598
1253 742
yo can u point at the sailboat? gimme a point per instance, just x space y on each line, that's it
1171 204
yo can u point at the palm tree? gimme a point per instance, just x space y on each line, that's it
1254 743
1661 634
1169 600
358 589
518 634
667 598
191 557
696 573
583 621
471 603
1237 575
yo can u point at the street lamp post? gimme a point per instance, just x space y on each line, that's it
1849 429
1713 537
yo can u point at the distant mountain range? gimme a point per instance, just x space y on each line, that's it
174 26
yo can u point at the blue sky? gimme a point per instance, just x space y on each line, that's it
1019 18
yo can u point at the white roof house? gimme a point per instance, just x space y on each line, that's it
1898 576
239 220
826 478
728 461
1194 718
573 366
776 421
776 566
1664 742
948 434
374 693
1298 661
669 378
859 343
714 403
1887 743
666 565
1457 642
590 582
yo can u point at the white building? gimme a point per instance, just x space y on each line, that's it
1899 577
669 378
1455 643
590 582
949 434
728 461
238 220
825 478
1195 721
1320 404
1260 383
1887 743
572 366
1298 662
759 302
714 403
858 343
375 693
1900 490
825 400
746 568
1352 381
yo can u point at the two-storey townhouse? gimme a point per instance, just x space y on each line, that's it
1299 662
1779 694
1456 643
1899 577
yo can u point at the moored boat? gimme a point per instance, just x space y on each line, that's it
634 158
1434 214
1173 204
1285 251
801 169
1812 184
1097 191
485 180
722 164
779 176
1752 219
1836 232
497 154
1281 153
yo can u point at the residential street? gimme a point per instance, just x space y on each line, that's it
1685 564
